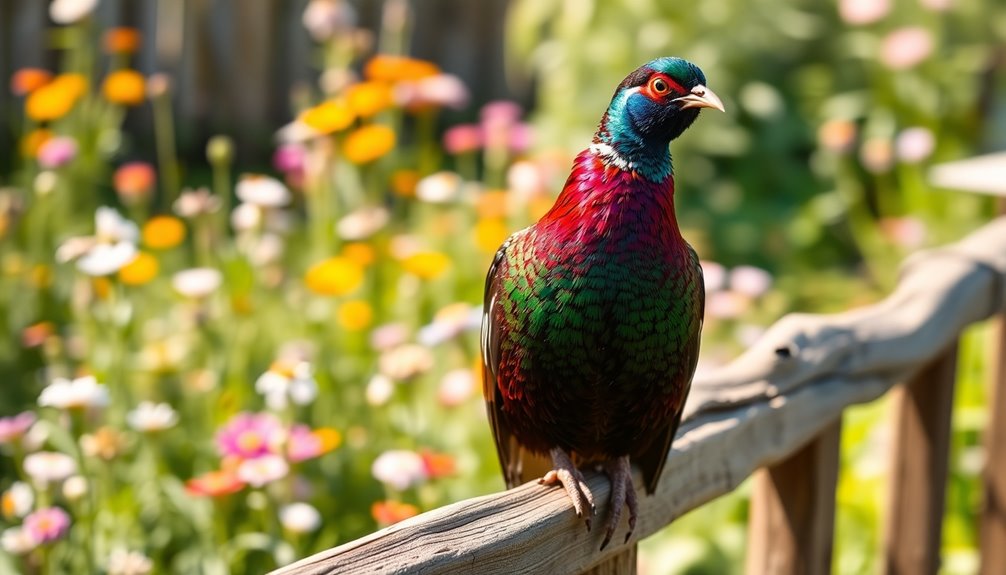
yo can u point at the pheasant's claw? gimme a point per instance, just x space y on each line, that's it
573 482
623 493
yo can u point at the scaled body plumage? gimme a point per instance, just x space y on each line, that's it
593 314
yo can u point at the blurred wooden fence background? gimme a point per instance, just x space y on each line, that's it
233 62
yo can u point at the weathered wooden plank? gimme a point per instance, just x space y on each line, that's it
993 519
918 477
788 387
792 517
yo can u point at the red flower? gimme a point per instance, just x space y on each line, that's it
214 484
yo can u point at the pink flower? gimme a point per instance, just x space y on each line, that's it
906 47
251 435
57 152
521 138
262 470
303 444
859 12
456 387
750 281
502 112
914 145
399 468
726 304
47 524
907 232
13 427
714 275
442 90
937 5
462 139
289 158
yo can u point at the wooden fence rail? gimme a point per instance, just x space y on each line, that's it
777 407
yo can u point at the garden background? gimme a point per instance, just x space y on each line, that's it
243 244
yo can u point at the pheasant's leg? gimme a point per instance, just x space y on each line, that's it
572 480
622 493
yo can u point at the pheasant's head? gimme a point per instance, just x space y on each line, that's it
654 105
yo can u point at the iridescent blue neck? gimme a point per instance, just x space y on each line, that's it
618 143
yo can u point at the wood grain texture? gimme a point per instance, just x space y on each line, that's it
993 518
918 477
788 387
792 517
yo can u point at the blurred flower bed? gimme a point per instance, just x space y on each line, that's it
225 377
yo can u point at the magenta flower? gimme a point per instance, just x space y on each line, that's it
502 112
251 435
47 524
289 158
13 427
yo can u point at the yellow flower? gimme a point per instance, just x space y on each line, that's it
539 206
163 232
32 142
368 143
335 276
360 253
27 80
328 117
40 276
383 68
490 233
101 287
54 100
369 98
355 315
124 87
121 40
139 271
427 265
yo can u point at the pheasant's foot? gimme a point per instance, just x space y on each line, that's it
572 480
623 493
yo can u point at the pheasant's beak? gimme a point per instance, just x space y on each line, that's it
701 97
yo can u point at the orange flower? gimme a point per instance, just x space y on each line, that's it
355 315
539 206
490 234
134 182
493 204
102 287
383 68
328 117
369 98
121 40
27 80
334 276
368 143
359 252
141 270
36 334
403 183
32 142
124 87
427 265
214 484
163 232
329 437
437 464
389 512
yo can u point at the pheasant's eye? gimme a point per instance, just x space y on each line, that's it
659 86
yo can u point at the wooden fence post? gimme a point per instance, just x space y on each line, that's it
993 520
792 516
918 478
623 563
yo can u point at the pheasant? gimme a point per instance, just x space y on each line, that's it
592 315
